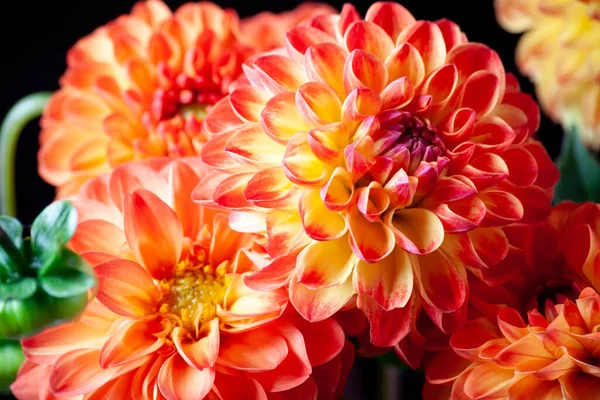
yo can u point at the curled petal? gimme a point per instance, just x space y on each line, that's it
300 163
406 61
251 145
371 241
364 70
320 304
325 264
230 192
370 37
391 17
324 62
177 380
248 102
338 192
318 221
281 119
416 230
387 328
427 38
318 104
270 188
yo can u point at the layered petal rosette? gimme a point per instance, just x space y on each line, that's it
173 318
140 87
560 53
380 155
551 357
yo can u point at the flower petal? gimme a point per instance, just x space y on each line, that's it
201 353
320 304
325 264
178 381
153 232
416 230
126 288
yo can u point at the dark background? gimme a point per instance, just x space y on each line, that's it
35 37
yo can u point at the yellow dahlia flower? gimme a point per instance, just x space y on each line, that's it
560 52
382 154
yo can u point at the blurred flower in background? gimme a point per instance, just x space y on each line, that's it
140 86
560 53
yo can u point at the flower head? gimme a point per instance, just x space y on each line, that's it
173 317
560 52
382 154
554 353
553 356
140 87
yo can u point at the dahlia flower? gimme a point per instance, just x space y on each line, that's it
560 53
380 155
551 357
173 318
140 86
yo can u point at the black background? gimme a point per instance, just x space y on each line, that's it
35 37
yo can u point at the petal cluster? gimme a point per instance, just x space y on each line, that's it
141 85
172 317
380 155
555 287
551 357
560 52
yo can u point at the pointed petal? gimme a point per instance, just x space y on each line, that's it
319 222
317 305
153 232
417 231
325 264
126 288
178 381
133 340
201 353
387 327
371 241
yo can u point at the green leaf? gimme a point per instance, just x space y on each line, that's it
12 357
56 224
11 259
580 172
21 289
13 228
69 276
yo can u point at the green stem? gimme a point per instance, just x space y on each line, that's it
25 110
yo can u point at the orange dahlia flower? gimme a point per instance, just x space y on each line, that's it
560 52
552 357
173 318
380 155
141 85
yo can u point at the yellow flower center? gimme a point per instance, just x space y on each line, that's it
191 297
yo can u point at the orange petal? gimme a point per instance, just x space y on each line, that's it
442 284
126 288
371 241
284 232
523 350
183 181
416 230
387 328
427 38
251 145
531 386
134 339
248 102
201 353
279 73
238 387
270 188
300 164
406 61
229 193
489 380
256 350
98 236
318 221
318 104
325 264
320 304
338 192
153 232
281 118
178 381
325 63
391 17
364 70
369 37
481 92
78 372
389 282
225 242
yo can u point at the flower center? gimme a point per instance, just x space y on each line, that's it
186 96
418 136
192 295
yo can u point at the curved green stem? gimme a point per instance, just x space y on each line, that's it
25 110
